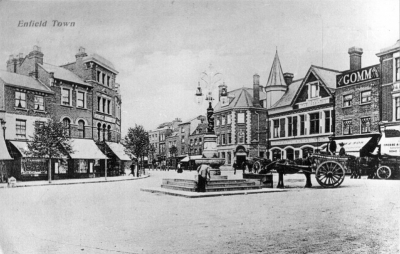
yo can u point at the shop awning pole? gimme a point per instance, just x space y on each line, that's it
105 170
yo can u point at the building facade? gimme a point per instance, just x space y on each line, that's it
390 103
301 119
240 123
357 106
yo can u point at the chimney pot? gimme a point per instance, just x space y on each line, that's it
288 78
81 50
355 58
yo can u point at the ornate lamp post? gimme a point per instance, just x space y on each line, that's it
204 91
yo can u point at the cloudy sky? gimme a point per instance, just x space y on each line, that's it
160 48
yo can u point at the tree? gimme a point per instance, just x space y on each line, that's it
173 150
50 140
137 141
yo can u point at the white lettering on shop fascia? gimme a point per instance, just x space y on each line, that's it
358 76
299 141
313 102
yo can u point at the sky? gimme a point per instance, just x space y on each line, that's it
160 48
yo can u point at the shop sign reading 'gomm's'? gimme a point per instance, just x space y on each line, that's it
358 76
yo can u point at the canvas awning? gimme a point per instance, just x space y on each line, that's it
22 147
353 146
193 157
118 150
4 155
86 149
390 141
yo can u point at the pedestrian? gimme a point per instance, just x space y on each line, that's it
342 151
132 167
331 146
234 167
138 170
179 168
203 171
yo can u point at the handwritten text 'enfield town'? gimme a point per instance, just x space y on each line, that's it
43 23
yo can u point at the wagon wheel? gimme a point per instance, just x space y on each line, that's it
330 174
383 172
256 166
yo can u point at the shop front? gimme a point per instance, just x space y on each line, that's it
390 141
361 145
86 161
119 160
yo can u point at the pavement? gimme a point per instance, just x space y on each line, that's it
73 181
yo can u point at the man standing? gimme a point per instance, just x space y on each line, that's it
331 146
203 171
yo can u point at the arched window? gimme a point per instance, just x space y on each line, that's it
109 133
306 151
81 129
276 154
67 126
289 154
99 131
104 132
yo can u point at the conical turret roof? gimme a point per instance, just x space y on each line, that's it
276 75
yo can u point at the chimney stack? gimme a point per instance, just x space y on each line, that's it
12 64
81 53
355 58
288 78
256 90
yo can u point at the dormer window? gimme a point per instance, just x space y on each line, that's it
314 89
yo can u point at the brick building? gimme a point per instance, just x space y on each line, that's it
300 115
72 91
357 106
390 104
240 123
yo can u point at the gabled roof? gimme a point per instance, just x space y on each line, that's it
100 60
23 81
288 97
326 76
240 98
276 74
63 74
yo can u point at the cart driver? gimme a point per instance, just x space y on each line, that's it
331 147
342 151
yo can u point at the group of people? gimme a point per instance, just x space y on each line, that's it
331 147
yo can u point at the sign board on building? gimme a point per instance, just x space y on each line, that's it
105 118
357 76
320 140
313 102
390 141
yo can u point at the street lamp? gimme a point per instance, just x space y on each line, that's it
3 125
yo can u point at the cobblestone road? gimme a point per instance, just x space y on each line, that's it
362 216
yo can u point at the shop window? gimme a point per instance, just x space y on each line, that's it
81 129
314 123
398 68
67 126
365 97
347 124
20 99
366 125
327 121
39 102
276 128
80 99
397 110
347 100
82 166
240 118
20 128
66 97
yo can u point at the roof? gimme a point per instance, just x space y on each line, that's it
118 150
26 82
327 76
240 98
100 60
85 149
63 74
288 97
395 47
276 74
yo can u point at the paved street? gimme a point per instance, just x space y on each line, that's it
362 216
